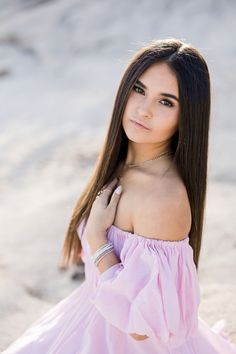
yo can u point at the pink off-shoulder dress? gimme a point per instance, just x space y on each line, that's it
152 291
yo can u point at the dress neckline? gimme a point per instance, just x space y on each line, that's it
145 238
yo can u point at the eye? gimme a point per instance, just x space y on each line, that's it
167 103
138 89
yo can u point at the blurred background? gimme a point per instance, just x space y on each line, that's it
60 66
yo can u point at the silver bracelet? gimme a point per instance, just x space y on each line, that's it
103 255
99 252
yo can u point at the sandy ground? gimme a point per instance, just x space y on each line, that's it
58 79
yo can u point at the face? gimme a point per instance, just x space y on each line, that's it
153 102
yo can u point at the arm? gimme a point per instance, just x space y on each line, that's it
153 292
144 285
106 262
109 260
178 210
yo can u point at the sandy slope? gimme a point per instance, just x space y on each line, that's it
58 78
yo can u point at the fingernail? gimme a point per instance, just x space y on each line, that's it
118 190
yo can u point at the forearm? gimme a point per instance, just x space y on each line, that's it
109 259
106 262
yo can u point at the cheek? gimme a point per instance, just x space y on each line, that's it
133 100
170 115
166 122
127 112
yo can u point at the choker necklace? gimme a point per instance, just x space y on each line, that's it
154 158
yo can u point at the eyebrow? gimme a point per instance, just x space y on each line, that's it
170 95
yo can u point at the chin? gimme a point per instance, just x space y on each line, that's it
136 137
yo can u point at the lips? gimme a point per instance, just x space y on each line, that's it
139 123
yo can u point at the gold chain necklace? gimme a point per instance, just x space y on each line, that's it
154 158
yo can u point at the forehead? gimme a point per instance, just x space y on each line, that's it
160 78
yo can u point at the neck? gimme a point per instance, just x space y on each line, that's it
138 153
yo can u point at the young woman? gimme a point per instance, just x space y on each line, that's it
138 223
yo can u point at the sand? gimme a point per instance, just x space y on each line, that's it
58 78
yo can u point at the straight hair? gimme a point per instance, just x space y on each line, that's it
189 143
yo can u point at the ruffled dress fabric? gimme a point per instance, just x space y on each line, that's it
152 291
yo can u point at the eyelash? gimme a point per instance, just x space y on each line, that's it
170 104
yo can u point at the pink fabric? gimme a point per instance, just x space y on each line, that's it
153 290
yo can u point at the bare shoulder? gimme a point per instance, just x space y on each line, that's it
165 212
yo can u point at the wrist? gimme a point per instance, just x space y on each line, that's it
97 242
107 261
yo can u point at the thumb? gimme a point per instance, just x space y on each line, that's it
116 196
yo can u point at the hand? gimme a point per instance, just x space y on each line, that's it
102 213
138 336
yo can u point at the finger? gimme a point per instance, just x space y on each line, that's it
108 189
115 197
113 182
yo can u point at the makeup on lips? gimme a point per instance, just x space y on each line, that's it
138 125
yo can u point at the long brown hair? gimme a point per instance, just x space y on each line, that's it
189 144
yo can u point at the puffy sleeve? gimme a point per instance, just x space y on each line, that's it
153 291
80 228
80 231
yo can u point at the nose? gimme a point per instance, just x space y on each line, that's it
144 109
